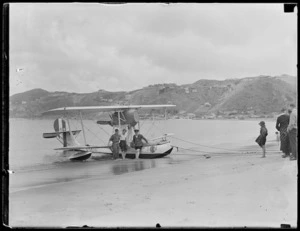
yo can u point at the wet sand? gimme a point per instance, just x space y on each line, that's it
221 191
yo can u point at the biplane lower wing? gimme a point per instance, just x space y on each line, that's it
69 148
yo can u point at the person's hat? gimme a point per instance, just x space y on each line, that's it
262 123
136 130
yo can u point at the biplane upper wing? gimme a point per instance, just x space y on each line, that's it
104 108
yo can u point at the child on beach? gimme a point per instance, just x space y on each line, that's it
262 138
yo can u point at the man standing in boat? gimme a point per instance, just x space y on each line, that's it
137 141
115 139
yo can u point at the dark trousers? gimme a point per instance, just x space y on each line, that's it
293 142
115 150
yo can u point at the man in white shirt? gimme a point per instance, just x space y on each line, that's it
123 143
292 131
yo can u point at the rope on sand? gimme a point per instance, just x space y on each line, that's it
196 143
237 151
204 153
206 156
226 149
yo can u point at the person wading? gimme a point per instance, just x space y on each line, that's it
115 139
137 141
281 125
262 138
123 143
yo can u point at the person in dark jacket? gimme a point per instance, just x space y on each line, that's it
281 125
262 138
138 143
292 130
115 139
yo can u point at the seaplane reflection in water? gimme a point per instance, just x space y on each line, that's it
120 117
122 167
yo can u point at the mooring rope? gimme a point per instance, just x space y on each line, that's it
187 149
217 153
212 147
200 151
226 149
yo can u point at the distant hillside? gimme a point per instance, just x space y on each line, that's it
292 80
255 95
263 95
28 96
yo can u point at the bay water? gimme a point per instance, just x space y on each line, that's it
35 162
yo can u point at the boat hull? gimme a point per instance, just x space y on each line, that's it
148 155
147 152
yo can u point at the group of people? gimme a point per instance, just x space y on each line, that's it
119 141
286 124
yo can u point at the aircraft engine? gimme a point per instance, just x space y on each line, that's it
130 117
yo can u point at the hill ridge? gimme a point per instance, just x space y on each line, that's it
249 95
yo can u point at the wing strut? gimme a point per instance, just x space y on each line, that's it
119 118
82 127
65 144
165 113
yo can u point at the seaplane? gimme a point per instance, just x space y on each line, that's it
120 117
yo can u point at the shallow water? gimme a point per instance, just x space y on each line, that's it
35 163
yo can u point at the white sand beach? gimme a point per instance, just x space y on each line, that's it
222 191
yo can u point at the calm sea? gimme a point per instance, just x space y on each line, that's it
36 164
29 150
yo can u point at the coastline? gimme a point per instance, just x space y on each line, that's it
222 191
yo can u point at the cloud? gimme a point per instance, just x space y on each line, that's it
84 47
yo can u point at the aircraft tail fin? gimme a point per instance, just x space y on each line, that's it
63 133
50 135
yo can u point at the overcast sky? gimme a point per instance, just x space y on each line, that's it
86 47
